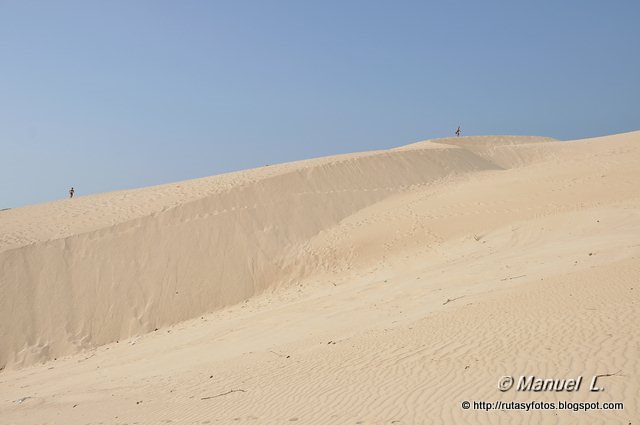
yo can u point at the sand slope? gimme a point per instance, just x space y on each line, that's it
126 268
399 283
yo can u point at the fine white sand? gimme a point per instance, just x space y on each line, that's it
375 288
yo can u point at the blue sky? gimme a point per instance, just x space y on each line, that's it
121 94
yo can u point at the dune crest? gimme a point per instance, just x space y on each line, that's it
385 286
92 270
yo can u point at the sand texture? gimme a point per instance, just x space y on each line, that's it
370 288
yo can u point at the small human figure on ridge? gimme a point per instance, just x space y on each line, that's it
458 131
71 192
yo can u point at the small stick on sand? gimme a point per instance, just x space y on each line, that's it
609 374
452 299
279 354
514 277
221 394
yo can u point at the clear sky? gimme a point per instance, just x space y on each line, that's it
106 95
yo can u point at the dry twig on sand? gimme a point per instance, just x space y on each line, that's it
609 374
221 394
452 299
514 277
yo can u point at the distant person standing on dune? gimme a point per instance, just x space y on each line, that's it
71 192
458 131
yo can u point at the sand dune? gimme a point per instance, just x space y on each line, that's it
376 287
128 268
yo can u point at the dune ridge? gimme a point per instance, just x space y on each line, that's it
378 287
232 238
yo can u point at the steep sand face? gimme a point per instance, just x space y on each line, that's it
114 268
382 287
